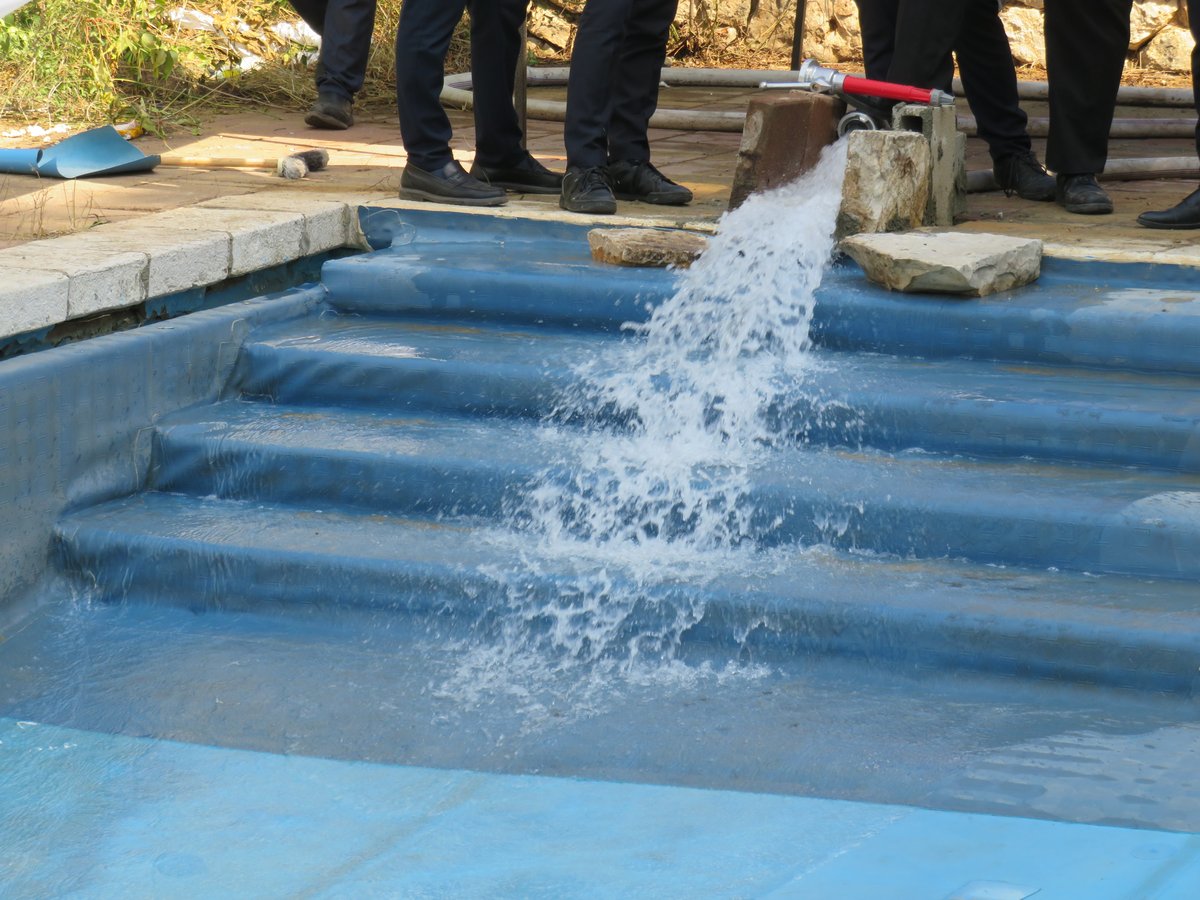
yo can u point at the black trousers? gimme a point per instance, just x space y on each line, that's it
345 27
616 65
910 42
1086 43
1194 24
422 39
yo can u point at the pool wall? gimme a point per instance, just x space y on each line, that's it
75 421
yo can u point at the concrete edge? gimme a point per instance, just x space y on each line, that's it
120 265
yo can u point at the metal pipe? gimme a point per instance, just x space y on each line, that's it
1121 128
798 34
1144 169
1126 96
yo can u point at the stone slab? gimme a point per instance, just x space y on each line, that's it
648 247
782 139
30 300
946 262
100 279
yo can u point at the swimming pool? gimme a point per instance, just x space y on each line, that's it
295 602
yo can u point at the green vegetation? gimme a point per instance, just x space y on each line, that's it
87 62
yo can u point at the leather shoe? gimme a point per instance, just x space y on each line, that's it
641 181
527 176
1023 175
330 111
587 191
1081 194
1184 214
449 184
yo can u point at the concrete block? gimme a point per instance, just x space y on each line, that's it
100 279
947 158
782 139
327 222
946 263
180 257
649 247
258 239
30 300
886 187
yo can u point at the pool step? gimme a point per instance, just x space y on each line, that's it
1094 314
891 403
208 554
919 505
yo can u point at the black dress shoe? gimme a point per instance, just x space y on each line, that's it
449 184
1184 214
641 181
330 111
527 176
587 191
1023 175
1081 194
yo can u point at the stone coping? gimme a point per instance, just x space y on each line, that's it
119 265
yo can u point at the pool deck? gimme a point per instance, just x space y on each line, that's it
70 249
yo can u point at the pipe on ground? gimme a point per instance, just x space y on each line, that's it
1143 169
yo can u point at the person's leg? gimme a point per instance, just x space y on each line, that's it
495 49
312 12
431 173
1086 43
639 66
877 23
594 72
422 39
926 33
1194 24
990 81
345 46
1186 213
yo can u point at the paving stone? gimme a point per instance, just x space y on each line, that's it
783 138
946 262
648 247
30 300
100 279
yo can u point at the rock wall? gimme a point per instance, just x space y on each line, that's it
1159 34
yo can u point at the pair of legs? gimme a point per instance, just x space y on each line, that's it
345 27
616 65
422 39
910 42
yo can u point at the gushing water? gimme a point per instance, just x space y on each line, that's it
648 510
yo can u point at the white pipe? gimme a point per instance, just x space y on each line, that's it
9 6
1143 169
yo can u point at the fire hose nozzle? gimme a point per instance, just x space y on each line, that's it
823 78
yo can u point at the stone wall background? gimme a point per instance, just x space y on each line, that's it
1159 41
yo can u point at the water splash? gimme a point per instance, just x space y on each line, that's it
699 383
665 501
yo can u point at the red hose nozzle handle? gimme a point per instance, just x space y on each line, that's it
812 72
866 87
